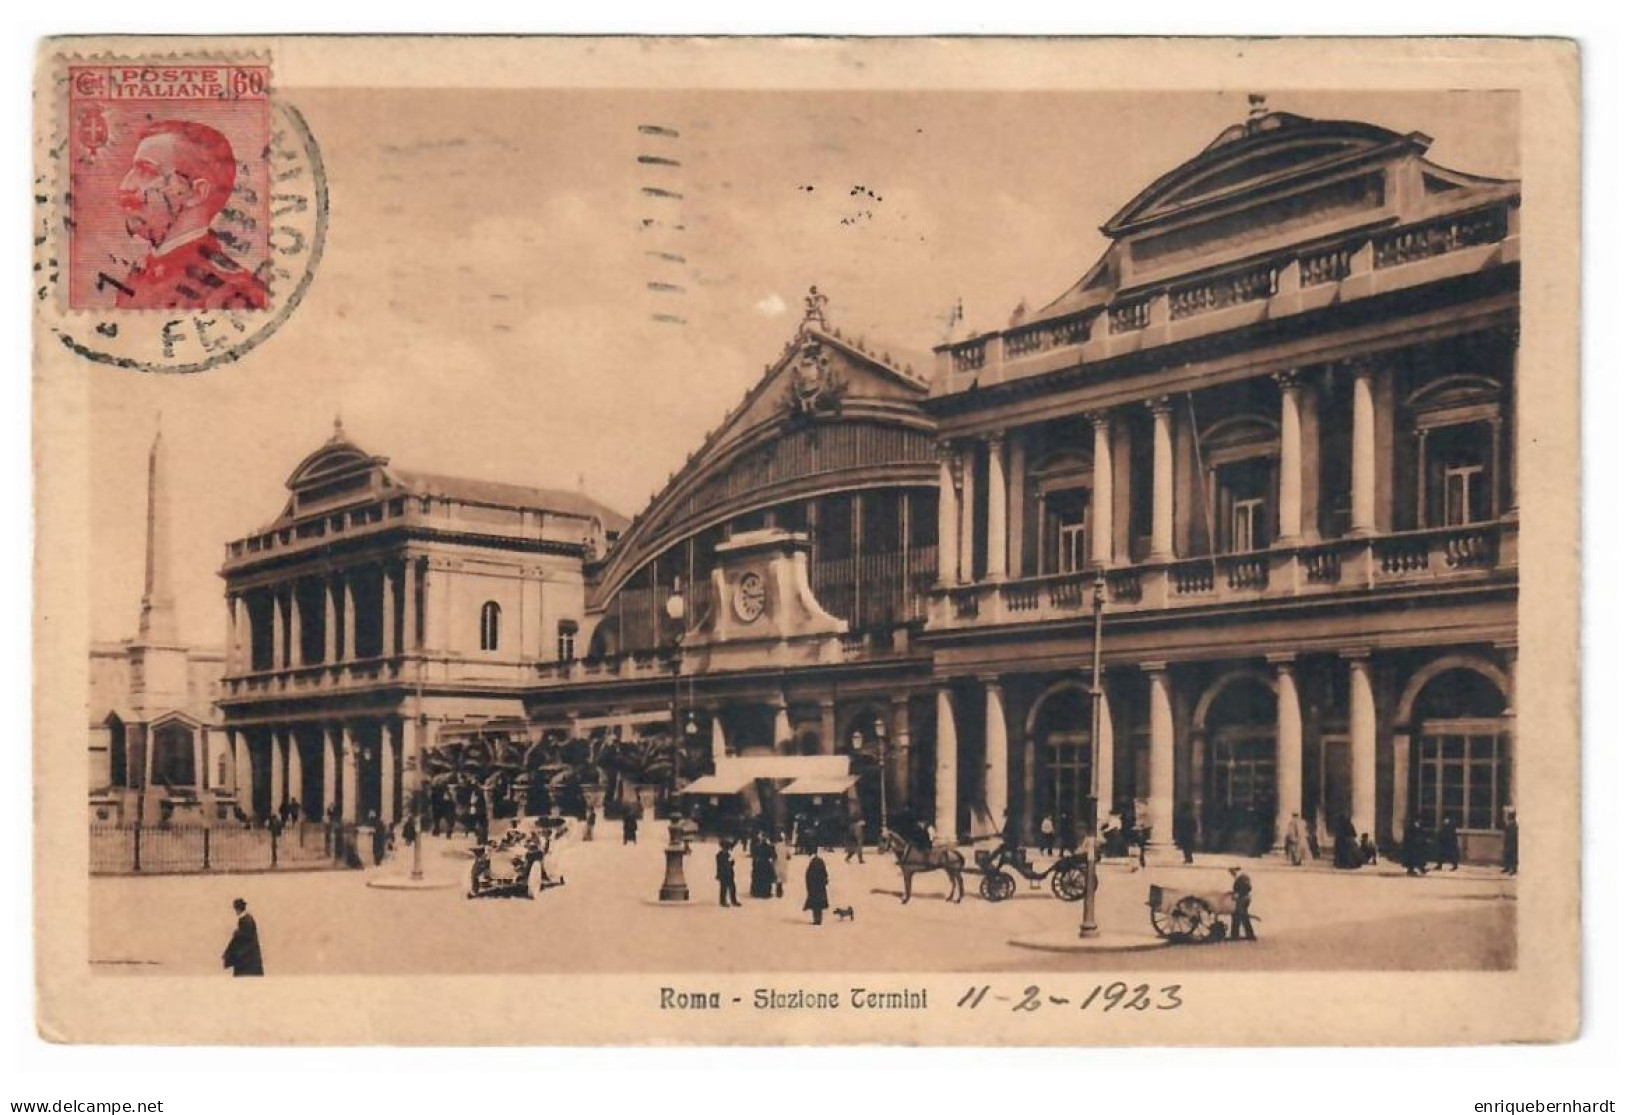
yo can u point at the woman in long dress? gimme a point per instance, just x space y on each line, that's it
761 867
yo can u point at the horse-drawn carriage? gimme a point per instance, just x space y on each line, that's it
1068 876
1185 918
520 861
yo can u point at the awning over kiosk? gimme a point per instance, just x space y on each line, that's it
820 787
719 784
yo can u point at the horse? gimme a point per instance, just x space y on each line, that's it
913 860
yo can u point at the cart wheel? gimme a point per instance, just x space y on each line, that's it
535 880
1191 919
1070 880
1159 922
997 886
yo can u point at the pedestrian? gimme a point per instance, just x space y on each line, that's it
930 834
761 866
1413 851
781 865
1447 846
727 890
380 838
1046 835
1185 831
1345 848
1368 850
1066 832
1241 890
1297 836
242 953
817 888
854 840
592 823
1509 845
409 831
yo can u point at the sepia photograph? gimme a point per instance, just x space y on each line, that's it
823 553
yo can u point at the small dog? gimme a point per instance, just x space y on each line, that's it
844 913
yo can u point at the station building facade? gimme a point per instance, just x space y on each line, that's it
1275 422
383 608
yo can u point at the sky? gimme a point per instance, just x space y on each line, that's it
484 304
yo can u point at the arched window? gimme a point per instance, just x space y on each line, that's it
490 625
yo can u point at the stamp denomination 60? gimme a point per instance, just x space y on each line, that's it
182 210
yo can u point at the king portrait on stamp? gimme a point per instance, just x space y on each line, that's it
180 178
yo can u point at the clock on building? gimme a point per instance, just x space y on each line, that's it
750 597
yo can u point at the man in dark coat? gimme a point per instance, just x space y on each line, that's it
1413 851
1509 846
727 890
1446 846
1241 890
242 953
1185 831
817 888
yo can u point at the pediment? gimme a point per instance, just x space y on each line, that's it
1273 149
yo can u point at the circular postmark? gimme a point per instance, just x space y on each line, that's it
115 284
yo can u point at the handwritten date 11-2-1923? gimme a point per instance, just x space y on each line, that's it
1105 997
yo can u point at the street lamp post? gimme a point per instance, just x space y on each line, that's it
676 610
1088 928
880 744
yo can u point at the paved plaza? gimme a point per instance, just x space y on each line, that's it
606 919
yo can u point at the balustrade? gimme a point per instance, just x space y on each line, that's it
1192 577
1123 585
1434 238
1128 317
970 357
1247 572
1047 335
1322 566
1329 265
1251 285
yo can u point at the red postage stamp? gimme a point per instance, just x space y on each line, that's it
170 185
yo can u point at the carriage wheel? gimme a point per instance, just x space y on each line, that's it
1191 919
535 880
1070 880
1159 921
997 886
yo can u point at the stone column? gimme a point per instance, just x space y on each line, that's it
900 750
947 515
200 759
1288 746
781 725
1162 755
409 594
719 738
330 623
296 627
279 636
349 774
947 769
997 770
1015 508
826 726
1162 479
279 786
386 771
1106 751
332 747
296 769
967 514
1290 510
386 583
1100 500
1364 472
350 626
1362 744
232 647
411 763
998 512
243 771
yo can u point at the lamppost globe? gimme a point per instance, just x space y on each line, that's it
675 606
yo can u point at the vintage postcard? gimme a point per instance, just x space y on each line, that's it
806 541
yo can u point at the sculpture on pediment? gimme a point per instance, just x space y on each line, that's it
815 390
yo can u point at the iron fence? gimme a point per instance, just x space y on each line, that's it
138 849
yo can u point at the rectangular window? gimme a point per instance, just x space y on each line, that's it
567 641
1464 501
1247 525
1462 774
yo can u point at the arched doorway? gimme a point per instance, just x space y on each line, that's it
1236 719
1059 728
1461 757
118 759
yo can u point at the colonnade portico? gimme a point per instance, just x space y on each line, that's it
356 767
380 601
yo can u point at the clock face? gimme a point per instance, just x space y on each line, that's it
750 597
